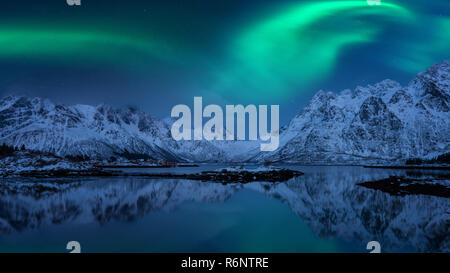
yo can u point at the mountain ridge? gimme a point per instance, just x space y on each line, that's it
374 124
381 122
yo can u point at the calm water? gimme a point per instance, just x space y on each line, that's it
322 211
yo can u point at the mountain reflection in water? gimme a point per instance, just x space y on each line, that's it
322 211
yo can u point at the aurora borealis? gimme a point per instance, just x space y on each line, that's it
155 54
76 45
294 40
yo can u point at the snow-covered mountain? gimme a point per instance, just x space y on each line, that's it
101 132
379 122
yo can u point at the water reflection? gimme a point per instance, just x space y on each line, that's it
325 198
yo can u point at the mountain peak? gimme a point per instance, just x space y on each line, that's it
382 121
374 123
434 79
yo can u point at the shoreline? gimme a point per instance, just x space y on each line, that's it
223 175
393 185
146 167
412 167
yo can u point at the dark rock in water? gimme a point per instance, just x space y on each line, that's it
400 186
235 175
224 176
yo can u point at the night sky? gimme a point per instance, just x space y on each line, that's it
156 54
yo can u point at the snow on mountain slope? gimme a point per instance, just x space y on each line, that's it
216 150
81 130
371 124
102 132
379 122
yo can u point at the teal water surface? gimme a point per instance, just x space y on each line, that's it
322 211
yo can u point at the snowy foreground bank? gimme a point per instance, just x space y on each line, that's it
31 165
33 168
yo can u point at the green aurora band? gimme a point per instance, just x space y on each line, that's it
50 44
301 45
279 55
418 55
